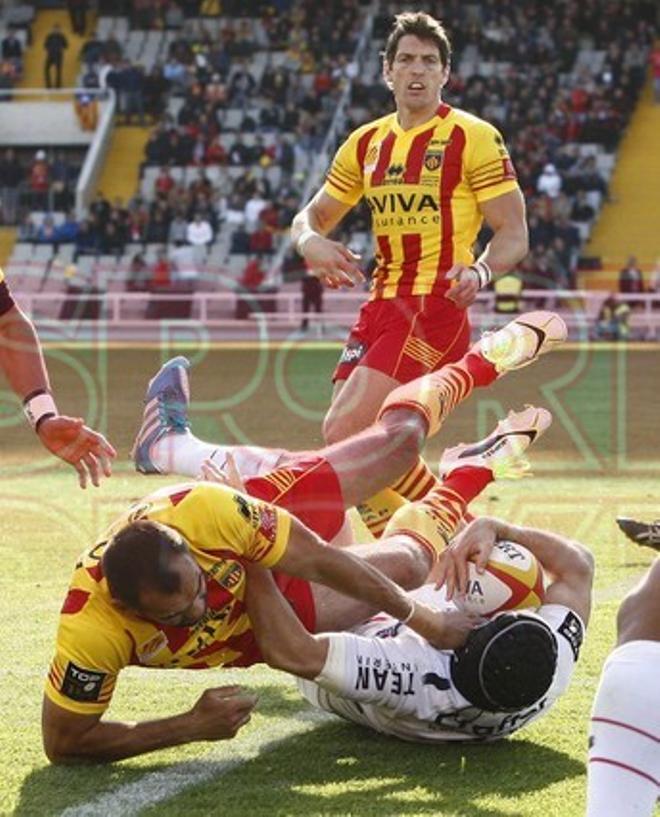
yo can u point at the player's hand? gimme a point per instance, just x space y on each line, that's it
464 285
72 441
220 712
332 263
474 544
444 629
231 476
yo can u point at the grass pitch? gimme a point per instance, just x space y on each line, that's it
597 460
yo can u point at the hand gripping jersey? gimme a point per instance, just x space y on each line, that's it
95 639
384 676
423 187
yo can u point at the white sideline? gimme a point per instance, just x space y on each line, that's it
156 787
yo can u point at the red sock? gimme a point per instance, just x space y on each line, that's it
483 372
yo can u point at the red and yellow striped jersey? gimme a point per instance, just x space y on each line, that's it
423 187
96 639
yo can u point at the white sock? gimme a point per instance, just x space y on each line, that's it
183 454
624 738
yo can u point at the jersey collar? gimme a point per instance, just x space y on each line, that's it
442 112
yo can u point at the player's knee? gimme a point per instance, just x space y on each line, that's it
406 430
631 611
333 428
638 613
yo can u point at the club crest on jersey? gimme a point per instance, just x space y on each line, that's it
433 159
153 646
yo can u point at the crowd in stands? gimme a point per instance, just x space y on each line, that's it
37 181
244 105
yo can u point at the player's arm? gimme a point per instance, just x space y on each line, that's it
284 642
329 260
308 557
21 360
72 737
505 215
568 564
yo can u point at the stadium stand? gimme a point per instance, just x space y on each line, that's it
243 105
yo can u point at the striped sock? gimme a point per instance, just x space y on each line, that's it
433 520
417 482
377 511
437 394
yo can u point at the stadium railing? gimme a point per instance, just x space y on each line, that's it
579 308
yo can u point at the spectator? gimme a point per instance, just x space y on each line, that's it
86 240
78 14
613 320
11 176
12 51
132 85
654 281
199 232
164 182
161 273
655 70
138 274
582 211
157 228
39 181
27 230
111 242
100 209
67 231
631 281
253 208
549 182
253 275
155 88
178 231
47 231
55 44
312 297
92 50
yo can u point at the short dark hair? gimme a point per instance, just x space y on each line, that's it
421 25
140 556
507 664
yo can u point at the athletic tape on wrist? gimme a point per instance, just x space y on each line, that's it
306 234
413 610
484 273
39 406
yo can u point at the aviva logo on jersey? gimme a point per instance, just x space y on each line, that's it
402 203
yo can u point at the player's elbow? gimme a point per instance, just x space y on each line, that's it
584 564
59 750
304 660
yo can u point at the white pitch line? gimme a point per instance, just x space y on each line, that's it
156 787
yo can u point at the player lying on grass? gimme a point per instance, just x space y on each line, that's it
383 675
164 587
23 364
624 737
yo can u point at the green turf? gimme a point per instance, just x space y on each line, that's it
596 461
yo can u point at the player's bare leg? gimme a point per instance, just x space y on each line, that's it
164 443
624 737
356 403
